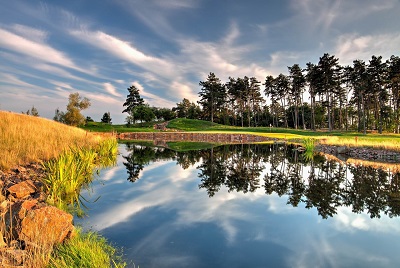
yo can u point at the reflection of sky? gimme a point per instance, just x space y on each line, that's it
165 220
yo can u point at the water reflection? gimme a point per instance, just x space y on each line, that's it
315 181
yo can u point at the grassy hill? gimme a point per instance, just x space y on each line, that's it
25 139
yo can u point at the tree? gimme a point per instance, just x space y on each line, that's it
144 113
75 105
394 87
359 80
133 100
33 111
282 91
106 118
212 96
59 116
89 119
377 73
254 99
182 108
237 95
270 91
297 81
330 77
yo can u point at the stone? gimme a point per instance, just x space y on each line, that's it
342 150
22 189
46 225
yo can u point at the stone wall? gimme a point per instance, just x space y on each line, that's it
193 137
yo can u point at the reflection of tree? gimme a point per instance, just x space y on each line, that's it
212 172
187 159
323 191
314 181
140 156
243 170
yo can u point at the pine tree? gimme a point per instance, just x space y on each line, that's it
133 100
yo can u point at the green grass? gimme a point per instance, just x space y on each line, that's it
182 146
102 127
85 250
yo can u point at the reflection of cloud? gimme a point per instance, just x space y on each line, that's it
347 221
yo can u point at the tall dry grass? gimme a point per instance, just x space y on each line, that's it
25 139
377 142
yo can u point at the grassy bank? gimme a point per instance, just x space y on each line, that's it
25 139
69 156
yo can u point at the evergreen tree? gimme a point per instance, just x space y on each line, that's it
133 100
212 96
106 118
297 81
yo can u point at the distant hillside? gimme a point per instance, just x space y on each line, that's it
25 138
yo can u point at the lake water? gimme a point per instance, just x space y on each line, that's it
245 206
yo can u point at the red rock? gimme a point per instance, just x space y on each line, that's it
46 225
22 189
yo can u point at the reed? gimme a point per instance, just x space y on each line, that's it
72 170
309 144
25 139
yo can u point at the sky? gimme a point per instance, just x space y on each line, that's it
50 49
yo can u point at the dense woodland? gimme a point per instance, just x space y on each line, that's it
325 95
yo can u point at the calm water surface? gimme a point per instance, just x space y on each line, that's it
245 206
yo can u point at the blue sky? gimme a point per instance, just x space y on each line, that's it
49 49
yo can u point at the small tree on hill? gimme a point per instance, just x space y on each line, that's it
59 116
75 105
33 111
106 118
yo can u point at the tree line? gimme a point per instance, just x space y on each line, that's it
362 96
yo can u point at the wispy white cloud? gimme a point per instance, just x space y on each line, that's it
30 48
30 33
351 47
108 87
124 51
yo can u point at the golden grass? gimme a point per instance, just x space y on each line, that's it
25 139
376 142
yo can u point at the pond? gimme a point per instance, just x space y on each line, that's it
245 205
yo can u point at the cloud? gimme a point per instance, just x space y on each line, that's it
351 47
124 51
111 89
30 33
152 99
35 49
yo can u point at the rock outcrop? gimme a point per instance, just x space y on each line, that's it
26 221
